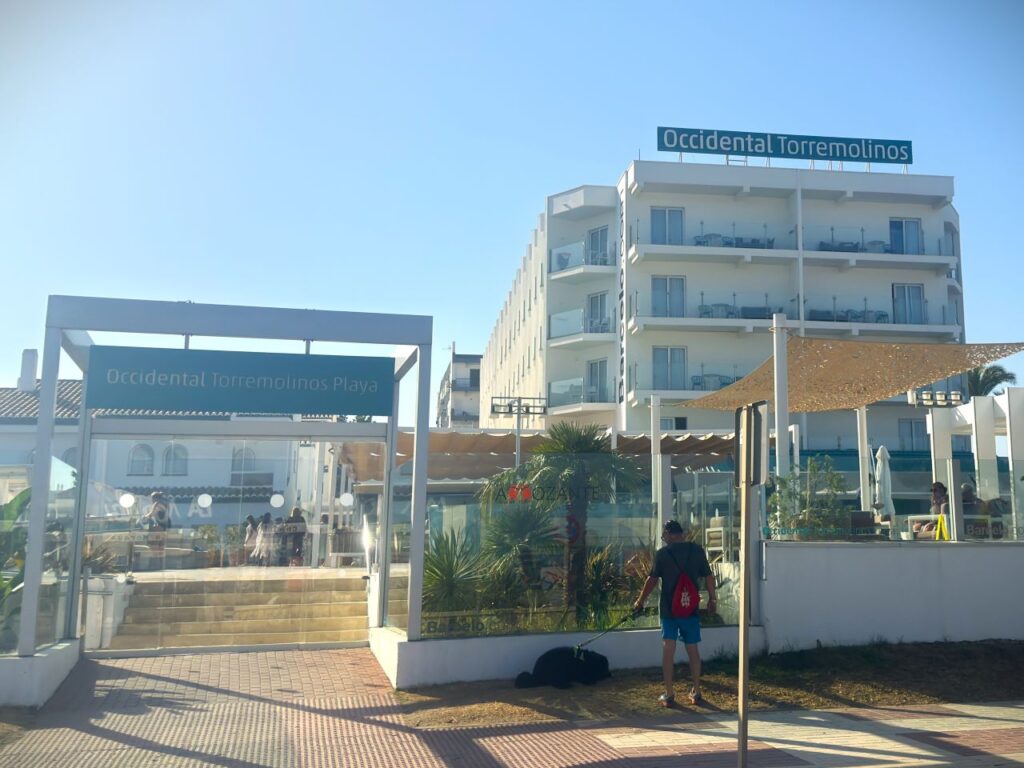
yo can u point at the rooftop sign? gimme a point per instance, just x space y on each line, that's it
785 146
238 382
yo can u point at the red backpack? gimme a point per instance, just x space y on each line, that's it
685 598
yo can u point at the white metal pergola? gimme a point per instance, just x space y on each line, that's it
71 319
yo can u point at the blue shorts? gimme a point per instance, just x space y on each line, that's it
686 629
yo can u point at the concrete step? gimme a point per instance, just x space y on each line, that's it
217 586
145 642
236 627
295 611
149 600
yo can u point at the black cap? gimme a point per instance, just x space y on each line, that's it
673 526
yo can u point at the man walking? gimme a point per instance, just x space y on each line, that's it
676 557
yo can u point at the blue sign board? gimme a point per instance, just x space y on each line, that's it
785 146
238 382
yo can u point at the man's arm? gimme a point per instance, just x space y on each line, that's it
649 585
709 582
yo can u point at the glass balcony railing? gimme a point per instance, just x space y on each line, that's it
836 308
577 255
881 238
579 390
733 305
693 377
575 321
465 385
716 234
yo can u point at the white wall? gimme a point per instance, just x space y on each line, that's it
852 593
29 681
430 662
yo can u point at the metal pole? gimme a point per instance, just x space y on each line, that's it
519 426
747 448
864 458
779 339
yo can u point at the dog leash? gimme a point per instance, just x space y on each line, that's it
632 615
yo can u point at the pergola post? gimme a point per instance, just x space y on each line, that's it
781 382
864 457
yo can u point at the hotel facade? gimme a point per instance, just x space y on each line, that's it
666 283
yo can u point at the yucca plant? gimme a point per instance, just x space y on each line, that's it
517 539
451 573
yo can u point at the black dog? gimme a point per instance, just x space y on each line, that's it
561 667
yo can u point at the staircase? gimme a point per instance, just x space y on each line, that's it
190 614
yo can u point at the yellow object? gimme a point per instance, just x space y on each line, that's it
941 529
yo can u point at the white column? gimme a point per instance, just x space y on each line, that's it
779 338
656 490
864 457
421 439
1015 448
983 443
384 519
940 435
40 494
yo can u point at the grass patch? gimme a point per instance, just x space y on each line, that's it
877 675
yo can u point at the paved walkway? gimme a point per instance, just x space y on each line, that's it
334 708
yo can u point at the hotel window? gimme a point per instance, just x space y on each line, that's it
913 435
597 246
669 367
597 320
673 423
667 226
908 303
243 460
176 460
140 460
667 296
905 236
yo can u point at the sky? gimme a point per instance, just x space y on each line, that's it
393 157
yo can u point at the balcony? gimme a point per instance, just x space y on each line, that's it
465 385
859 315
737 312
578 330
843 247
576 263
686 382
579 396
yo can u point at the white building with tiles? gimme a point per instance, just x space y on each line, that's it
665 284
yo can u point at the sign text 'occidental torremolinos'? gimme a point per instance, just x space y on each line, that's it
238 382
784 146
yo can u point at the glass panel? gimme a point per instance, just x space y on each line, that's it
250 547
896 236
518 561
661 368
674 226
58 537
15 495
659 296
565 323
912 236
676 287
658 226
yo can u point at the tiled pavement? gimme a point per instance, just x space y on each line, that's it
335 708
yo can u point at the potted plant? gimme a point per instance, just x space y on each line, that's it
808 507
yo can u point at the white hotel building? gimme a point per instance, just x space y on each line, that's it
665 284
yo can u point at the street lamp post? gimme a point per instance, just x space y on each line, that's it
520 406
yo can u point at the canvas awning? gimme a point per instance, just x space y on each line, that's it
833 375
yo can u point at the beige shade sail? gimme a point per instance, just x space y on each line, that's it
480 454
834 375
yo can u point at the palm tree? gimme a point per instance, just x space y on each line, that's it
573 467
983 380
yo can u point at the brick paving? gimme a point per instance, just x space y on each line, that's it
335 708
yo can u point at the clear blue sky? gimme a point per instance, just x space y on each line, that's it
392 157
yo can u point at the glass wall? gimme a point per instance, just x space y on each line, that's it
58 537
205 542
14 511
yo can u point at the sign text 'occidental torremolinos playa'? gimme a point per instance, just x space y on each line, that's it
784 146
238 382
